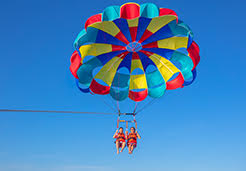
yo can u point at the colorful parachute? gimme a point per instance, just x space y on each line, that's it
134 51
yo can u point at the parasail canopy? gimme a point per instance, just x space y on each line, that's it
134 51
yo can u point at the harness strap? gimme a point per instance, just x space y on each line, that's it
121 136
132 138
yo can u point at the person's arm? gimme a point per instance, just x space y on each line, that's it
115 134
126 134
139 137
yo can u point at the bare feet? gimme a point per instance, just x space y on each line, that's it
118 152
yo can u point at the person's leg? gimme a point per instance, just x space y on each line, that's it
133 147
130 148
123 146
117 146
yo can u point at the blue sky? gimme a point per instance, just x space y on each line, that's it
198 128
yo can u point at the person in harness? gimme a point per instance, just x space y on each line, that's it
132 139
120 140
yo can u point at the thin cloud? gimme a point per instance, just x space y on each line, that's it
33 167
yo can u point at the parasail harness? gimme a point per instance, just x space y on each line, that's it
133 120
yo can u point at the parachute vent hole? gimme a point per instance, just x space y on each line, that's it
174 76
101 82
183 50
123 70
150 69
137 71
88 58
96 70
